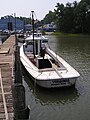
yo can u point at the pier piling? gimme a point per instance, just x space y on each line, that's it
21 111
12 92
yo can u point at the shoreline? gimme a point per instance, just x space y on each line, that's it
69 34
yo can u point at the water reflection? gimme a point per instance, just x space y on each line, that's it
64 104
51 96
70 45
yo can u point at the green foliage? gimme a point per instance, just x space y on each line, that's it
26 20
71 18
43 32
49 18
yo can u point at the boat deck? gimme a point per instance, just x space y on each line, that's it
54 65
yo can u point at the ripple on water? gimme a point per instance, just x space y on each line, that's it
64 104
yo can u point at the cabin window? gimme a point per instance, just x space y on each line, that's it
44 63
28 48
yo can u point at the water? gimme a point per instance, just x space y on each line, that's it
0 41
67 103
2 38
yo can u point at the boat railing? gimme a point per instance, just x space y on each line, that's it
56 57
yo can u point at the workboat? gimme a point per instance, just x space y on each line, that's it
45 67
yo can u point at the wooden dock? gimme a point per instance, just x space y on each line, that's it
6 64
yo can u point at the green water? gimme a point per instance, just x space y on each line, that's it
67 103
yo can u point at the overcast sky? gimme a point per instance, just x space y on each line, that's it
24 7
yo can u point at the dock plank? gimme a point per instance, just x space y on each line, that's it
6 103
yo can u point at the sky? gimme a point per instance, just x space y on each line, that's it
24 7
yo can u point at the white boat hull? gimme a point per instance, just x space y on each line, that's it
52 78
56 83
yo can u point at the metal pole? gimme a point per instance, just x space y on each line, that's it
33 32
16 42
9 24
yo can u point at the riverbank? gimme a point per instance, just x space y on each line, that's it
69 34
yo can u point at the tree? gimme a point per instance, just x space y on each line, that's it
74 17
49 18
59 15
68 18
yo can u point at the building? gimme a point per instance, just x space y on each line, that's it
28 27
49 27
10 23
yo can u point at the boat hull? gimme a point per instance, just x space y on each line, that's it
52 83
55 83
49 79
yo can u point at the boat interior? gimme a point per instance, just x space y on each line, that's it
40 58
45 63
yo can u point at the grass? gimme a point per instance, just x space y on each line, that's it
68 34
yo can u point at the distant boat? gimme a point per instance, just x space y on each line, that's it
45 67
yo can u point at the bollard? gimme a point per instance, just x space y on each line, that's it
18 71
21 111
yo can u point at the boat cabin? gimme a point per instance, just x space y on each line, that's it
35 44
35 51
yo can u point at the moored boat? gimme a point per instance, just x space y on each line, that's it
46 68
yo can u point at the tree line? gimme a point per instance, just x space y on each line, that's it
71 18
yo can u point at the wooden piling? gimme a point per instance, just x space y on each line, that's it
12 92
21 111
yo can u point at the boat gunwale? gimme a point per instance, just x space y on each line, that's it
46 69
29 54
